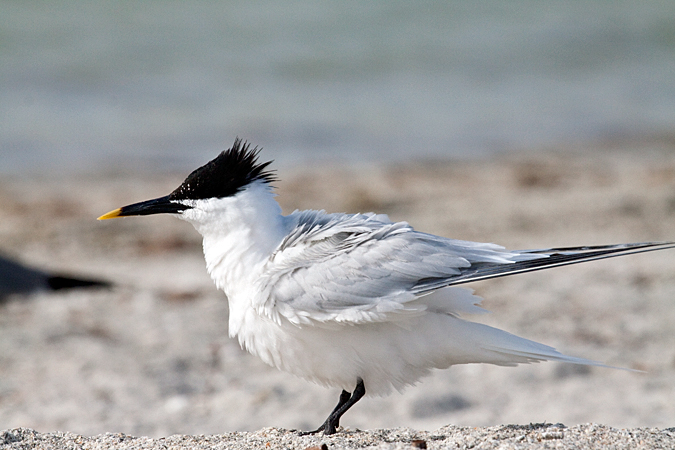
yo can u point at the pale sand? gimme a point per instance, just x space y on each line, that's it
507 437
152 357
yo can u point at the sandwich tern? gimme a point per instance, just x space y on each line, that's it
352 301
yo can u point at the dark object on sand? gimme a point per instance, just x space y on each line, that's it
15 278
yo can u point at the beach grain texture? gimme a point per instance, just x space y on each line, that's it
507 437
151 357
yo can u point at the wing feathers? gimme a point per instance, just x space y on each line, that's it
554 257
364 268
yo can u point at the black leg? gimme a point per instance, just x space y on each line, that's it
344 398
347 400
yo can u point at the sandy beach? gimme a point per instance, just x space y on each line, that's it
151 356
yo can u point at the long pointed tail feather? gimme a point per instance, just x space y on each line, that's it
552 257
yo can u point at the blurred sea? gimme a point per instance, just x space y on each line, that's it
160 85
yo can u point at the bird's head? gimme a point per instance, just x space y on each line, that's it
228 174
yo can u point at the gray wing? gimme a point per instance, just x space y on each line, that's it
364 268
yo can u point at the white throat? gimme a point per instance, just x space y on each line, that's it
240 233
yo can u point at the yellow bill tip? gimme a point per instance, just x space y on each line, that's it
111 214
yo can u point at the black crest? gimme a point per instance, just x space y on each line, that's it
226 175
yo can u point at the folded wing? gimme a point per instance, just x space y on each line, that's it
340 269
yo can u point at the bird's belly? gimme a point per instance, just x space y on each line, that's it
384 355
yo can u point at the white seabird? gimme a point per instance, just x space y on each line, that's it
353 301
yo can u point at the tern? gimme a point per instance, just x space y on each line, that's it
350 301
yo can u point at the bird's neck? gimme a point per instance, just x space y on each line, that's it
240 234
